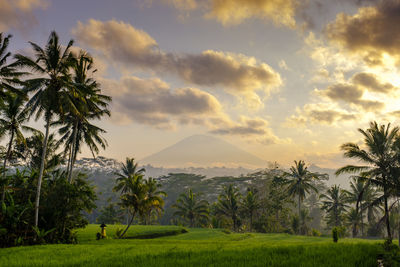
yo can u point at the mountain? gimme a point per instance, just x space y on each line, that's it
203 150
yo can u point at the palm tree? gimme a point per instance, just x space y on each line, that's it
304 220
372 203
228 204
154 198
129 168
133 200
191 209
52 64
132 188
379 157
32 152
8 73
13 116
250 204
300 181
334 203
356 195
89 104
353 218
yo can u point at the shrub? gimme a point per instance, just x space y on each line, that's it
335 234
61 208
295 224
342 231
118 232
315 232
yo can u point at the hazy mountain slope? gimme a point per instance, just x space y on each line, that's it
203 150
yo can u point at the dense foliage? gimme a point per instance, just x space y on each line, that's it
42 201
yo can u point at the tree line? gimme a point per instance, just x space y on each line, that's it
370 207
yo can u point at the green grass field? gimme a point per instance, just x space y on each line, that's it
198 247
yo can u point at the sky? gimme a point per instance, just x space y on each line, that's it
282 79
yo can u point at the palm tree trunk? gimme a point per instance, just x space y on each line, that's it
251 222
355 223
75 133
389 233
299 207
69 158
362 221
39 185
3 195
129 224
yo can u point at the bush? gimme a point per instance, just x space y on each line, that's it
295 224
391 255
342 231
61 208
335 234
315 232
118 232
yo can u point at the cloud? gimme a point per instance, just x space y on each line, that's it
236 73
282 64
351 94
281 12
353 91
371 32
233 12
255 129
327 114
246 127
153 102
18 14
120 41
371 82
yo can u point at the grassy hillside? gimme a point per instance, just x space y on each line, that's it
198 247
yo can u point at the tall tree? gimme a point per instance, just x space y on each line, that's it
379 155
352 219
300 181
129 168
132 189
31 153
228 205
334 203
250 205
13 116
154 199
191 209
134 198
355 195
52 64
88 104
9 73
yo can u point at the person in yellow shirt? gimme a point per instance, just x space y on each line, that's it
103 230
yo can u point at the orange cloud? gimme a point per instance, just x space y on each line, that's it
372 32
237 74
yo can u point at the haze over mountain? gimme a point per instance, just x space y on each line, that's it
204 151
